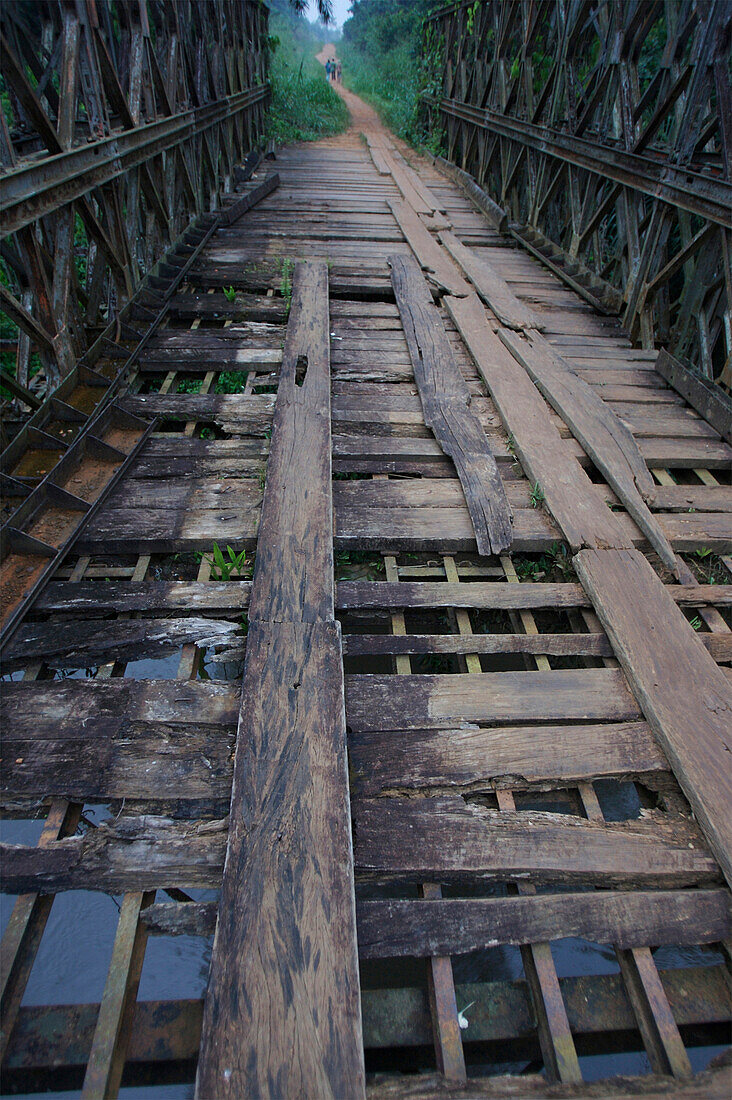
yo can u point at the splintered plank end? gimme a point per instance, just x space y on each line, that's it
445 402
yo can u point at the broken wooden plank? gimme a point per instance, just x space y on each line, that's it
83 644
396 928
393 928
446 839
492 288
712 1084
446 405
431 839
574 501
685 697
284 961
607 441
376 702
437 264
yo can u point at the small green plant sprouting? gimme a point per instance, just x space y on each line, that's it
696 623
511 443
224 568
704 552
261 477
286 282
528 570
229 293
537 496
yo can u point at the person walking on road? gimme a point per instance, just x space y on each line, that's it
327 69
339 71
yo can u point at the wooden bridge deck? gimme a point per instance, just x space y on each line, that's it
537 735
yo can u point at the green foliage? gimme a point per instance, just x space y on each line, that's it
224 568
229 293
537 496
231 381
189 385
696 623
386 62
303 106
286 281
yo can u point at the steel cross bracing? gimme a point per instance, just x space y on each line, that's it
605 132
126 120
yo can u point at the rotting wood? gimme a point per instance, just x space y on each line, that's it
446 406
413 840
392 928
433 260
686 698
492 288
422 839
604 437
570 496
450 926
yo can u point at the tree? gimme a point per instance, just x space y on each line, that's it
325 8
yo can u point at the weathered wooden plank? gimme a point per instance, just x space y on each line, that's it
193 597
431 839
492 288
57 709
685 697
552 645
387 929
284 958
712 1084
241 205
433 260
446 405
445 838
706 397
604 437
557 645
505 756
570 496
284 962
293 578
82 644
393 928
427 701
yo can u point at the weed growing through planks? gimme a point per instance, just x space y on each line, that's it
231 381
286 282
696 623
537 496
511 444
704 552
224 568
261 477
229 293
528 570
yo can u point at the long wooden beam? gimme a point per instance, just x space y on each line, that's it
282 1014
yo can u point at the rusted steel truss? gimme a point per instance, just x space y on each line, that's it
128 117
605 126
